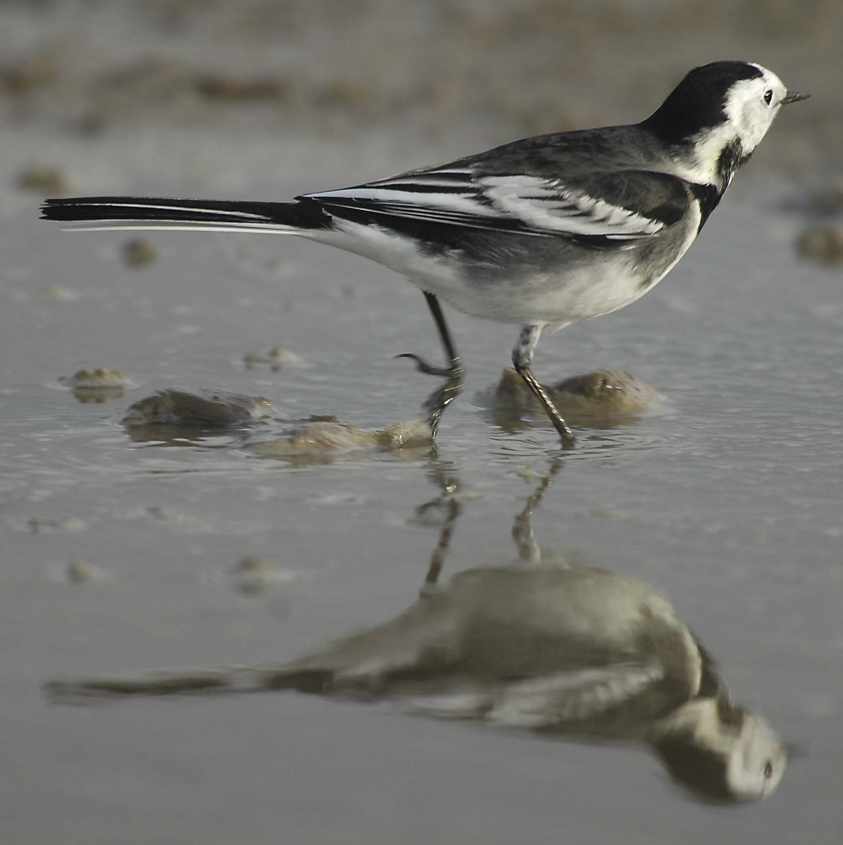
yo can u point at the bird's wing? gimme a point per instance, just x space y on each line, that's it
583 700
567 698
617 207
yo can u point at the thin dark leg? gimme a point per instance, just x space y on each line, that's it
437 559
522 529
453 374
445 509
522 357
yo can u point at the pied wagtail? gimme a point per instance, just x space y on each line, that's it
566 651
543 231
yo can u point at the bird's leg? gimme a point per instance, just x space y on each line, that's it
448 504
522 357
437 559
454 362
453 374
522 528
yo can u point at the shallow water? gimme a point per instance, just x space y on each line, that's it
727 498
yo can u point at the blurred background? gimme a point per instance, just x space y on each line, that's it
271 85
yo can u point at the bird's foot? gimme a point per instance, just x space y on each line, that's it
436 403
429 369
454 376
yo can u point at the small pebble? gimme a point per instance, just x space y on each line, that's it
317 437
253 575
326 438
80 572
28 73
405 435
42 179
231 89
343 93
96 386
208 409
277 357
139 252
96 378
822 243
70 524
58 293
602 394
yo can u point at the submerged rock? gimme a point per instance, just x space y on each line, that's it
405 435
101 377
60 293
42 179
602 395
277 357
822 243
27 74
317 439
97 385
82 571
216 86
45 525
211 409
139 252
253 575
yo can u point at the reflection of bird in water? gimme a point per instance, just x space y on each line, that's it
581 653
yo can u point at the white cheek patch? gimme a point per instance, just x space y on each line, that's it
748 118
748 114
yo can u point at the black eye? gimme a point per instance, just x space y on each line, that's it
768 96
768 770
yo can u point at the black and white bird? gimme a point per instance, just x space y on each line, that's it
539 645
583 654
542 232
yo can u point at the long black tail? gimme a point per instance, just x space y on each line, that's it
187 214
242 679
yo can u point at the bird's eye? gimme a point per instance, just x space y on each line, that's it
768 96
768 770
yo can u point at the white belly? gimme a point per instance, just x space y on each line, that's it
564 295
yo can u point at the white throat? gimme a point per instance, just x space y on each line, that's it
702 164
747 118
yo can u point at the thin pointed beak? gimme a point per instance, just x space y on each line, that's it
795 97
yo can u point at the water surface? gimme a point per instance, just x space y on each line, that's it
728 499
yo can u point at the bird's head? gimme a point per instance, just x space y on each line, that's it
721 752
717 115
